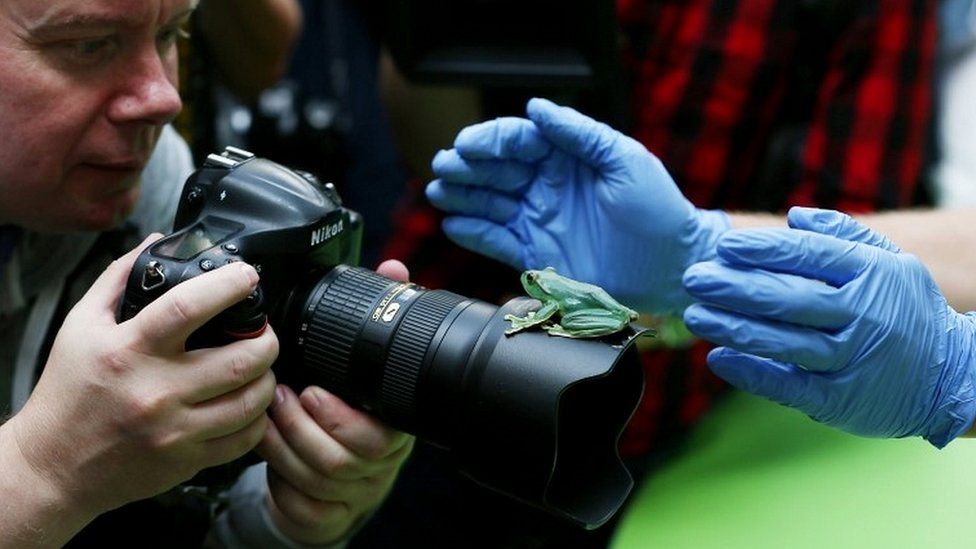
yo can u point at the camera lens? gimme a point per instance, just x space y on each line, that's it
367 337
533 416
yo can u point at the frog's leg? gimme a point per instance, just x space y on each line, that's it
590 323
534 318
606 301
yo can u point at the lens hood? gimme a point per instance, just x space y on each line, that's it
541 416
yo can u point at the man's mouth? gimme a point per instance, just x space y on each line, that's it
113 177
118 165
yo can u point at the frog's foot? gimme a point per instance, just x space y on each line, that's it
520 323
533 318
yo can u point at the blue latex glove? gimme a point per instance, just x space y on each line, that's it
834 320
565 191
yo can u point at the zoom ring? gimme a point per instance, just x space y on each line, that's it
336 321
410 344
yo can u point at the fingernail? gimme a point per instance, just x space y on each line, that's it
692 275
822 216
312 398
279 395
692 315
699 320
465 134
697 278
250 273
736 243
433 190
734 237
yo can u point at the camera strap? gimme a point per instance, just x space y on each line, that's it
50 265
25 367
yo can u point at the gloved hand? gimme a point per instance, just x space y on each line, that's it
565 191
834 320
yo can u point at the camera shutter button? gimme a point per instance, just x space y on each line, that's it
246 319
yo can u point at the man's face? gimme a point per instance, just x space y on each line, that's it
85 88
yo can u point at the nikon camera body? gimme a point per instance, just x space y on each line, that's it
285 223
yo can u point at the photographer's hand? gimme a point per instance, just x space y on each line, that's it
122 412
329 465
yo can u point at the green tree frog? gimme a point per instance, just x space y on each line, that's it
584 310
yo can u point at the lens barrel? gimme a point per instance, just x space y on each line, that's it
366 338
534 416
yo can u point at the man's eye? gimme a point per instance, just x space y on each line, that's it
88 48
87 52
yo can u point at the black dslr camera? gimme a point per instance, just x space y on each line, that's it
533 416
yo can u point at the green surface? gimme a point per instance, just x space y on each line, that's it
759 475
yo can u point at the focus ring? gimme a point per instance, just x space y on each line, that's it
411 341
336 321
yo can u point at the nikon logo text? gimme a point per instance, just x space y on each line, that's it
322 234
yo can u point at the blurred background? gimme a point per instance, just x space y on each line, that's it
752 105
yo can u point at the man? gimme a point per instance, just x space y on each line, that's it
831 318
122 411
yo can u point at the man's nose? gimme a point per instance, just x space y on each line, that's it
149 93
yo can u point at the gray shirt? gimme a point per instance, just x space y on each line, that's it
32 283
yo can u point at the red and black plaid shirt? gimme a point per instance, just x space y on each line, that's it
752 105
